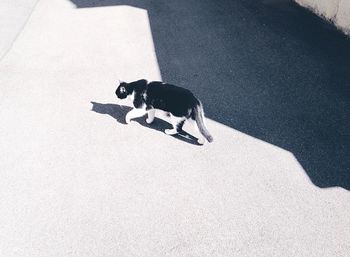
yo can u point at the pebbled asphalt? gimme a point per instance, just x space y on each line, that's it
267 68
77 181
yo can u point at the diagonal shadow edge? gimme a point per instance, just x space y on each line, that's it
261 91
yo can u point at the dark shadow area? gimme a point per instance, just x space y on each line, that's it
268 68
118 112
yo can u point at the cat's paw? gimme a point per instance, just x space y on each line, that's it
201 141
170 131
128 118
149 120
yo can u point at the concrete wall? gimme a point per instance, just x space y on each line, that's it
13 16
337 11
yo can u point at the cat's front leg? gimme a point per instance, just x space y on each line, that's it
134 113
127 118
151 115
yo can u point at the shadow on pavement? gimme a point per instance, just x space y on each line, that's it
267 68
118 112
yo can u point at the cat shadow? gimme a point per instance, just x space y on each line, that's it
118 112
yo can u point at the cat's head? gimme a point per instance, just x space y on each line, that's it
121 91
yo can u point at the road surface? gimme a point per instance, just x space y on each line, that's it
76 181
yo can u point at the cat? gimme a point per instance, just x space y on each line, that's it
180 104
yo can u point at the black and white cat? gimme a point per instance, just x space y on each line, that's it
178 102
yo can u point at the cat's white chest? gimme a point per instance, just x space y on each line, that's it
131 97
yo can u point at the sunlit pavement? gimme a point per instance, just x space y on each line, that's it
76 181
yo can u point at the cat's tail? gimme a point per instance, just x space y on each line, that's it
199 118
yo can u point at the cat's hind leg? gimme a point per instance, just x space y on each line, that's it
151 114
177 123
134 113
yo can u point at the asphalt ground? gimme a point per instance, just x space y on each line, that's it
77 181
